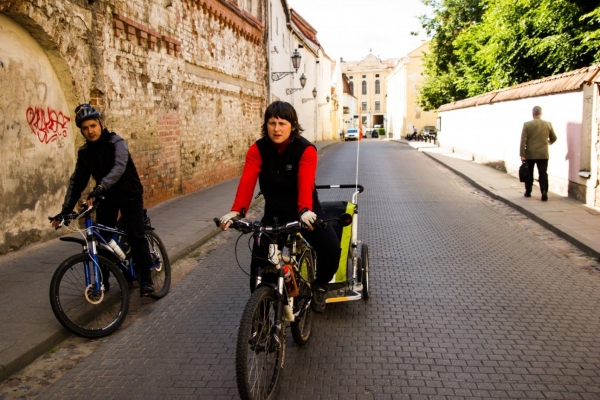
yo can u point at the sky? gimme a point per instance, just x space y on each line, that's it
350 28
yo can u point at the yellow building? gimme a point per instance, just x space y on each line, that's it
403 84
367 81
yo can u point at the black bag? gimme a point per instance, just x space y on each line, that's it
524 172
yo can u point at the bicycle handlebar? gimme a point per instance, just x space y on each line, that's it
247 227
67 218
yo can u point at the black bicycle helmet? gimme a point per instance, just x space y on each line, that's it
85 111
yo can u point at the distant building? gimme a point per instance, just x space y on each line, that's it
367 82
403 84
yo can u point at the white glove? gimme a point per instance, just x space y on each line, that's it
228 217
308 218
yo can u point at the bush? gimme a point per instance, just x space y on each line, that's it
381 132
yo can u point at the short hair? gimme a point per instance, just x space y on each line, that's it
537 110
283 110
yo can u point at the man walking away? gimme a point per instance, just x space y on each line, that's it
536 136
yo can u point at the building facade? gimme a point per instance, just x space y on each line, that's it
403 83
367 82
184 82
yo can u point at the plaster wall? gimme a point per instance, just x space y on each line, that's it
491 134
37 138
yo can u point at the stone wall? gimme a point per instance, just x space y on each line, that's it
183 81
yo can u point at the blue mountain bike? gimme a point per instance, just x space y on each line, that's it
89 291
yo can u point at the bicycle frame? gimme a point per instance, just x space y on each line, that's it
276 257
126 265
90 245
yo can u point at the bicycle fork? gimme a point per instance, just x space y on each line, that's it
94 291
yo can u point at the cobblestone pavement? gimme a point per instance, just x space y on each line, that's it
468 300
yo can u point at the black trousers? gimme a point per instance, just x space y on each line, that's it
324 241
542 167
132 222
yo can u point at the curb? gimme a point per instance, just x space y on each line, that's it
564 235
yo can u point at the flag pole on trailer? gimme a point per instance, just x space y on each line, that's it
360 136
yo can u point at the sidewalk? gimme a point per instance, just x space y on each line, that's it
28 326
568 218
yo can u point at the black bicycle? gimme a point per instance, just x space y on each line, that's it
89 291
283 294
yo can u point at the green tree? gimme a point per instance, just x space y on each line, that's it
509 42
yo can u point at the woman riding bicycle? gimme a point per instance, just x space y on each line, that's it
285 165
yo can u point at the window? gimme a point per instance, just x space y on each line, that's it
364 106
351 86
364 76
350 77
376 75
377 87
364 121
377 106
364 87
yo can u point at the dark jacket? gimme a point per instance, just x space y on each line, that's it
278 179
108 161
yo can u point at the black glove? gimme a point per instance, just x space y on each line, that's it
62 216
96 193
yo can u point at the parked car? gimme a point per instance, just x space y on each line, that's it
429 132
351 134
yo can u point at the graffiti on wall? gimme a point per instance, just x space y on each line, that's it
47 124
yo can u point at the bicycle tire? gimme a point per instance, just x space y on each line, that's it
260 353
364 252
302 327
75 311
161 275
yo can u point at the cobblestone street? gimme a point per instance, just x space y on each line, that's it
469 299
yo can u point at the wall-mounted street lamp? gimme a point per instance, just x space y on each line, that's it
314 92
322 104
296 57
302 83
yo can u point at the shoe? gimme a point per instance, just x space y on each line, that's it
544 196
146 288
527 194
318 301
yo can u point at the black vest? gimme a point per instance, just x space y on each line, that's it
278 179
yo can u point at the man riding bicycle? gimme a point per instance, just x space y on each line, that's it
106 158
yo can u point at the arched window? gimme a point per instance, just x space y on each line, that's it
377 87
364 87
351 86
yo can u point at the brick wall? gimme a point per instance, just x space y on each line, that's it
183 82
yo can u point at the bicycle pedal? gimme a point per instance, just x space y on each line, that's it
155 266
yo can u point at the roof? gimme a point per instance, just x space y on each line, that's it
307 30
565 82
370 62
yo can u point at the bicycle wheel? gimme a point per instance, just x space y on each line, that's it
161 273
364 252
82 309
302 326
260 352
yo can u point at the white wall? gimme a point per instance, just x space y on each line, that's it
492 133
280 52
